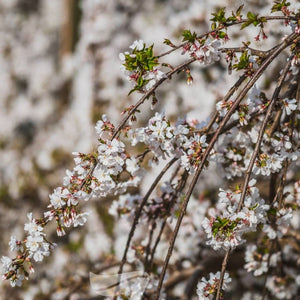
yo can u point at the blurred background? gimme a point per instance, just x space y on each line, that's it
59 72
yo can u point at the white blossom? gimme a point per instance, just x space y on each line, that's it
206 289
138 45
289 105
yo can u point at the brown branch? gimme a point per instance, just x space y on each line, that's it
264 292
148 248
275 124
260 53
279 192
157 242
279 198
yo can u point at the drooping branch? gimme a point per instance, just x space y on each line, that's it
238 100
252 161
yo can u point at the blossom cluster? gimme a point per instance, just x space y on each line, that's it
258 261
35 247
204 51
165 140
283 287
233 150
207 289
136 288
281 225
226 225
139 66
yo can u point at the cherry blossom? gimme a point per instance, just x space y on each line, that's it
206 289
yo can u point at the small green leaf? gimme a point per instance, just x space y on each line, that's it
231 19
246 24
243 61
239 10
133 90
169 43
263 19
279 5
251 16
188 36
219 16
221 34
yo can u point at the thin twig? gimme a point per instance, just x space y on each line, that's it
279 193
169 75
260 53
148 248
278 197
264 292
157 241
275 124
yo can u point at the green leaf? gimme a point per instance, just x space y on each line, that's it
188 36
252 19
142 60
140 81
251 16
243 61
263 19
279 5
239 10
219 16
133 90
169 43
221 34
246 24
231 19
